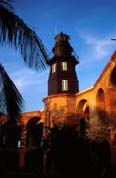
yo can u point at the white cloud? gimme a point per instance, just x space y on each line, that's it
24 78
96 48
100 47
20 83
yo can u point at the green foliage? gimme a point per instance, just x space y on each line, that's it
11 102
15 32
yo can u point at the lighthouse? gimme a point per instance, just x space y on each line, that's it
63 84
62 76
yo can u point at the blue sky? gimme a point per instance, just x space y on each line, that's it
90 25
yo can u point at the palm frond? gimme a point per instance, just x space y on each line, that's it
7 4
11 102
15 32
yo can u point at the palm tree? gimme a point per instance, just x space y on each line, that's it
10 98
15 32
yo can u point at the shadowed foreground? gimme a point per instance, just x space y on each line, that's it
66 152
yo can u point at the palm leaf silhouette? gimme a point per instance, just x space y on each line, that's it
10 98
15 32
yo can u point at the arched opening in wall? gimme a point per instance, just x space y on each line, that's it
113 77
111 91
86 111
32 132
102 116
83 109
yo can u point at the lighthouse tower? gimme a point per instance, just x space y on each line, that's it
62 83
62 77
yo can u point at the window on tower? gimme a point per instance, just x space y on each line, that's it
53 68
64 66
64 85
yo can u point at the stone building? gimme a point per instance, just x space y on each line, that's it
66 104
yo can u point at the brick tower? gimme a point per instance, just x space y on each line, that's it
62 77
60 105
